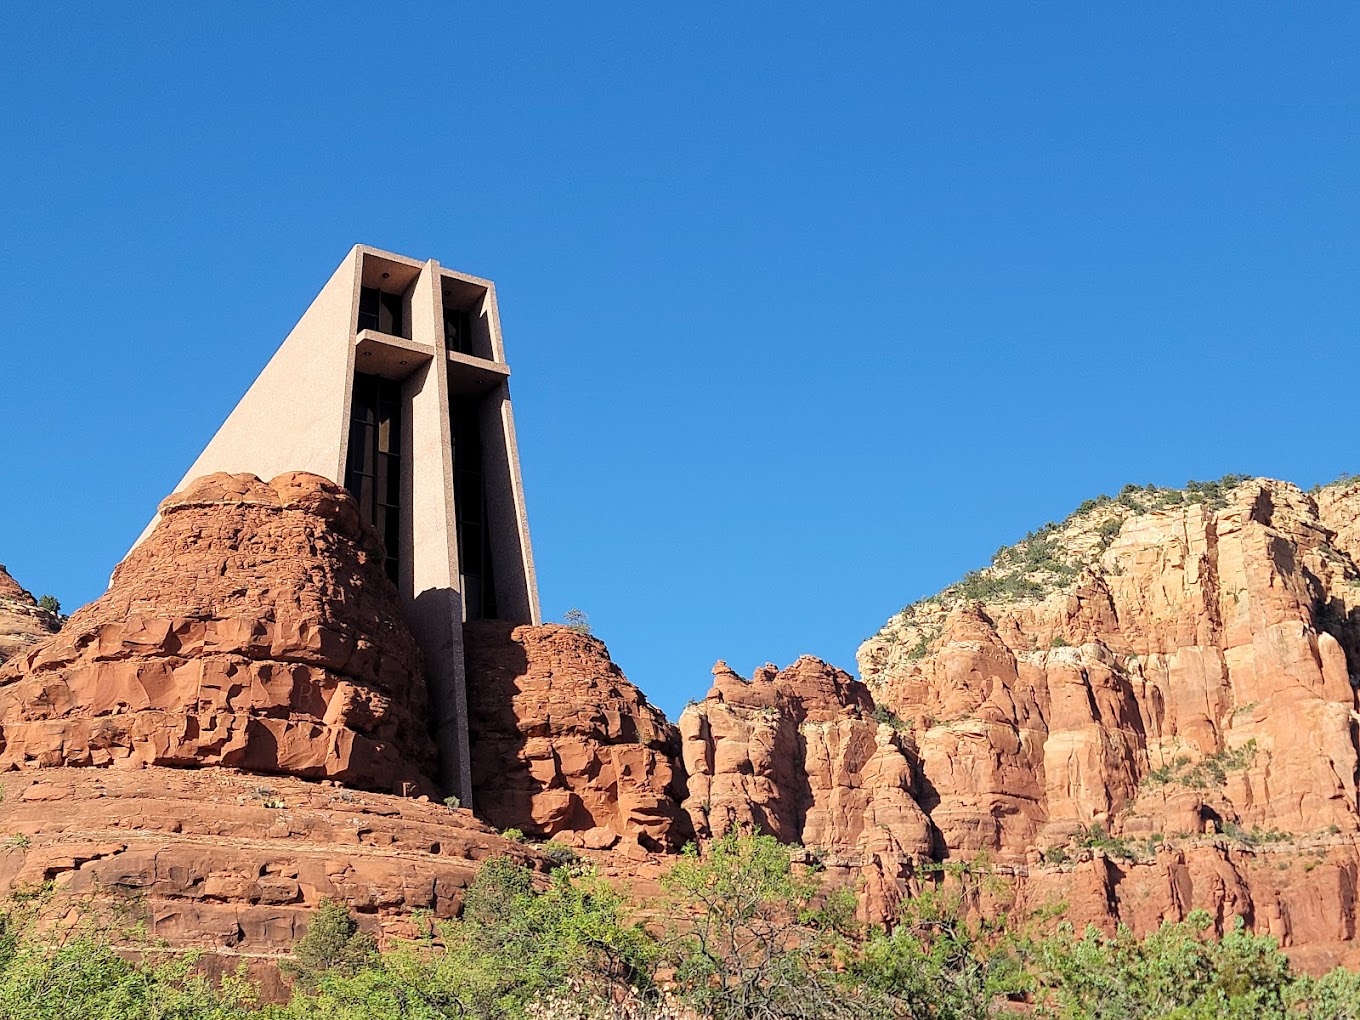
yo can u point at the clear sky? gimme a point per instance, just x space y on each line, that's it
810 306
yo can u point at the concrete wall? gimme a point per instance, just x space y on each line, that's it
430 586
516 586
295 417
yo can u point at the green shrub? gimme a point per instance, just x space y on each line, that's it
51 604
1109 530
1211 770
1096 836
885 716
1178 971
333 944
1254 836
919 650
577 620
751 937
559 853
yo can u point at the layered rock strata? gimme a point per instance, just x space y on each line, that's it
1147 709
233 862
23 623
799 754
254 628
563 746
1173 668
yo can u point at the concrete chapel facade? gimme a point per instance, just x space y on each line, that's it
394 384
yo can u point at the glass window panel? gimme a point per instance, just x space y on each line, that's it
368 308
389 488
470 509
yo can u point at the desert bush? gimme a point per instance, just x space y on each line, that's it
753 934
333 944
577 620
753 937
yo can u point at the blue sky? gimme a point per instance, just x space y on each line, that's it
810 307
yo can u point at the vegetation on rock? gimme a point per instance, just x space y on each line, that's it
750 933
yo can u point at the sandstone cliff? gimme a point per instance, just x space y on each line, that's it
23 623
564 746
252 642
253 628
1146 709
1152 665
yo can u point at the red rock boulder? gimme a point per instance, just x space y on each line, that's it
253 628
563 745
23 623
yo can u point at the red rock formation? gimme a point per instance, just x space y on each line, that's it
1077 717
233 862
1193 674
23 623
563 745
253 628
799 754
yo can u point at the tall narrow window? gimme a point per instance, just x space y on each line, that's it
458 330
380 311
469 497
373 471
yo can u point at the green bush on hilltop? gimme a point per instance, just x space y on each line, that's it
1047 559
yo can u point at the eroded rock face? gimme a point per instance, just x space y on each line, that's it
23 623
799 754
253 628
1193 675
1145 710
563 745
235 863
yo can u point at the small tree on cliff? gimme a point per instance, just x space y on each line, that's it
577 620
333 944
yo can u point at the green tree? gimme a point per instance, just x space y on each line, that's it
50 603
515 946
1179 972
754 938
938 965
333 943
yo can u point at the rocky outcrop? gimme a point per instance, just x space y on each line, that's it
1147 709
1188 672
254 628
563 746
799 754
235 863
23 623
